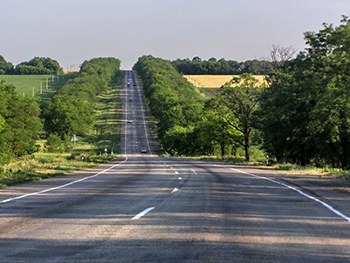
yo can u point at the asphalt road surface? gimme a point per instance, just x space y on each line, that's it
143 208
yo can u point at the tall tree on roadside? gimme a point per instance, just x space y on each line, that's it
5 67
19 124
329 56
305 113
236 102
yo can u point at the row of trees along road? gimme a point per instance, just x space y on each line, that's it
70 110
303 115
173 101
187 123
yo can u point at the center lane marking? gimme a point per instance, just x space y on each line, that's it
139 215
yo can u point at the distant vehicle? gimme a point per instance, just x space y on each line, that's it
128 84
129 121
134 84
143 150
130 99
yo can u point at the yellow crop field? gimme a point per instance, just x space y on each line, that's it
215 81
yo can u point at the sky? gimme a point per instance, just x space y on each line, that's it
72 31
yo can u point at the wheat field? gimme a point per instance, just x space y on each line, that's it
215 81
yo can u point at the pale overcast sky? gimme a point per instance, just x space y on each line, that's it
71 31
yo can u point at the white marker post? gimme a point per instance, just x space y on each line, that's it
74 139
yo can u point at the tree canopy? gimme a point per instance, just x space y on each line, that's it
304 115
19 124
71 109
38 66
5 67
212 66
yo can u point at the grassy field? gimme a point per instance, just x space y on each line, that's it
215 81
39 86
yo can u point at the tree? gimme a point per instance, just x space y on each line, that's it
279 55
310 102
236 102
37 66
20 123
67 115
213 134
5 67
283 117
329 57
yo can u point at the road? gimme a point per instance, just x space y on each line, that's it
145 208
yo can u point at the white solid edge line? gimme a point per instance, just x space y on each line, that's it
60 186
139 215
329 207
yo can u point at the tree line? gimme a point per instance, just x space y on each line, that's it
70 111
35 66
302 116
173 102
189 124
212 66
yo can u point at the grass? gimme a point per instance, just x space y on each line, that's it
38 86
105 134
215 81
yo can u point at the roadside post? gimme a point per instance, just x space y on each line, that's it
74 140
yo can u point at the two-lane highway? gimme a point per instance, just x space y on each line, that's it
143 208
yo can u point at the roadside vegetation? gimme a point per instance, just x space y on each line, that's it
300 117
296 119
31 151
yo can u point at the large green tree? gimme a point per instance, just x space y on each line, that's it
5 67
19 124
236 102
304 115
38 65
67 115
329 53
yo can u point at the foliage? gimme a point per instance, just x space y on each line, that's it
235 104
212 66
5 67
54 144
38 66
305 114
71 109
19 124
173 101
